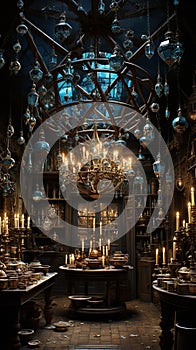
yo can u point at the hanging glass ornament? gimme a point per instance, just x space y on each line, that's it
128 43
33 97
149 49
170 50
167 113
41 147
166 89
53 58
116 59
154 107
15 67
20 4
115 27
36 73
62 29
128 54
2 61
158 167
22 29
21 139
101 7
180 123
17 47
159 87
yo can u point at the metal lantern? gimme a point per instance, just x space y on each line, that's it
62 29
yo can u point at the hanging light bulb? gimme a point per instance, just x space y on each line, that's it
62 29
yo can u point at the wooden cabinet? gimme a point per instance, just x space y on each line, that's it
145 267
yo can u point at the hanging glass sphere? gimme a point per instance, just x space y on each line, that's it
149 49
144 141
128 43
180 124
128 54
21 139
154 107
32 122
116 59
41 147
7 162
15 67
137 133
17 47
33 97
2 61
22 29
158 167
36 73
62 29
169 50
115 27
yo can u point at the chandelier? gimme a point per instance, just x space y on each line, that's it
101 169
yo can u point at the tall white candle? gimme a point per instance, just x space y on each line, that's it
22 221
189 212
82 245
174 248
93 224
100 227
164 261
108 244
177 221
192 196
157 256
28 222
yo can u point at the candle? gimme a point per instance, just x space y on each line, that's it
174 248
82 245
28 222
184 223
164 261
189 212
93 224
106 251
157 256
103 260
177 221
99 243
192 196
103 250
108 244
22 221
100 225
65 259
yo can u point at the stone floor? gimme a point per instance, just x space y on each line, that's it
136 329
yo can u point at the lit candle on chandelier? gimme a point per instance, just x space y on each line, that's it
157 256
164 261
100 227
93 224
82 245
177 221
189 212
22 221
174 248
192 196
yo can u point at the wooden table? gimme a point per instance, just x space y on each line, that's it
174 307
10 302
110 277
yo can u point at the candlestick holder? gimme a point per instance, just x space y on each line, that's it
173 267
